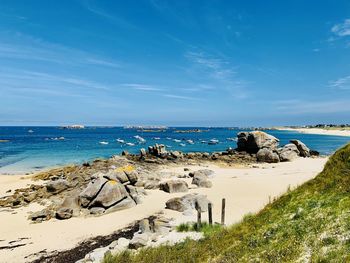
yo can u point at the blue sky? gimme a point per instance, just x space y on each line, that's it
219 63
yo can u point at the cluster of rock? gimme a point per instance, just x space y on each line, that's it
152 231
188 203
105 192
266 147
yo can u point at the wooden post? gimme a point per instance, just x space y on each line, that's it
199 218
210 215
223 211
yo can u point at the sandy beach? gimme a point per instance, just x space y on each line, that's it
246 190
319 131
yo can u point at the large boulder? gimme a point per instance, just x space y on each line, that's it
111 193
303 149
252 142
188 202
174 186
91 191
70 207
288 153
64 213
201 180
267 155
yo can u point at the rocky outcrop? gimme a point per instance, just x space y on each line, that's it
267 155
174 186
288 153
252 142
303 149
111 193
91 191
57 186
200 178
157 150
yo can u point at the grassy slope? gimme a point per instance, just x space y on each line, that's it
310 223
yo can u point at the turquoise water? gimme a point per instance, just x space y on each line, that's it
29 151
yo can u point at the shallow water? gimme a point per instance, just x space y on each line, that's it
30 151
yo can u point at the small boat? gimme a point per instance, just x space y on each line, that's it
213 141
189 141
140 139
232 139
168 138
30 131
103 143
182 144
130 144
120 140
61 138
168 146
156 138
176 140
203 141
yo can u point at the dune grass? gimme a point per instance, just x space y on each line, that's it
308 224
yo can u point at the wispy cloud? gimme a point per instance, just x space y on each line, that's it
142 87
24 47
220 71
342 29
180 97
295 106
341 83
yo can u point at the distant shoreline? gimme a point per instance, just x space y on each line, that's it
320 131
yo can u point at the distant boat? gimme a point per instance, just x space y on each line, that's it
30 131
61 138
104 143
130 144
182 144
203 141
213 141
168 138
189 141
140 139
157 138
120 140
232 139
176 140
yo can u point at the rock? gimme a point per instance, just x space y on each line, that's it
157 150
71 202
136 193
125 203
125 153
91 190
132 176
176 154
29 197
267 155
143 152
111 193
57 186
174 186
288 153
161 226
314 153
116 176
64 213
303 149
188 202
201 180
144 226
152 185
252 142
96 255
123 242
97 210
139 240
42 215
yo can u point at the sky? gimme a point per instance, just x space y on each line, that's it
176 63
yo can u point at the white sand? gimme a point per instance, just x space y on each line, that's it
246 190
319 131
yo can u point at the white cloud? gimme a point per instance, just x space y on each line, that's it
342 29
341 83
142 87
173 96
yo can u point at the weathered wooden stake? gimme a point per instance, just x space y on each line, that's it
199 218
223 211
210 215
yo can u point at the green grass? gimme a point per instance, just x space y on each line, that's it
308 224
205 228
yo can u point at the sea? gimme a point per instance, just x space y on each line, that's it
30 149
